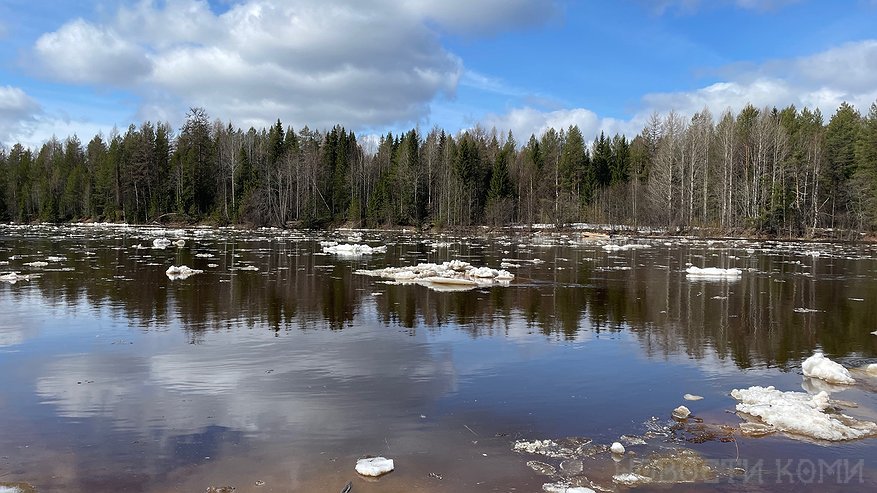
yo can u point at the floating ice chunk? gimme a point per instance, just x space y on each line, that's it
374 466
249 267
542 468
870 369
617 448
180 243
37 263
455 273
213 266
805 310
622 248
565 488
161 243
353 250
681 412
692 397
631 479
181 272
874 333
14 277
756 429
814 386
712 273
55 259
509 265
203 255
818 366
800 414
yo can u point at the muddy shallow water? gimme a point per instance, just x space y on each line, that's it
114 377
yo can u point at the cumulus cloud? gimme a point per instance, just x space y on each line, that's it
18 114
823 80
361 63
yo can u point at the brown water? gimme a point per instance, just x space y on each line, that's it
115 378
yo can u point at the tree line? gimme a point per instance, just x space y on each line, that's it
774 171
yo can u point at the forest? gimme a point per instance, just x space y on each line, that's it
780 172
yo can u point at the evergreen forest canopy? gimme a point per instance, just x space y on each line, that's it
775 171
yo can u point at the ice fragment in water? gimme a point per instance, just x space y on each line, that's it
800 414
181 272
353 250
692 397
565 488
681 412
617 448
542 468
161 243
374 466
818 366
712 273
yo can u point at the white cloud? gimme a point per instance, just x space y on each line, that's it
364 64
823 80
18 113
83 53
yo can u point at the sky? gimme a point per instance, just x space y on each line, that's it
378 66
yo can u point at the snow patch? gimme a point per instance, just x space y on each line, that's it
818 366
800 414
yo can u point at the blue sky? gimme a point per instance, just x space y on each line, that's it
388 65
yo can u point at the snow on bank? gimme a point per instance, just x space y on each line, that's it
352 250
712 273
181 272
818 366
455 275
800 414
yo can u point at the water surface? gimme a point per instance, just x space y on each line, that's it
116 378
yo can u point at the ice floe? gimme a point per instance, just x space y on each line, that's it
374 466
455 275
37 263
692 397
693 272
681 412
625 247
565 488
161 243
352 249
800 414
14 277
617 448
182 272
818 366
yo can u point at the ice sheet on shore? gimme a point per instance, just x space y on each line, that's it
800 414
693 272
182 272
455 275
818 366
352 249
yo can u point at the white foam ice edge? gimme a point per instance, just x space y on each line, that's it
800 414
